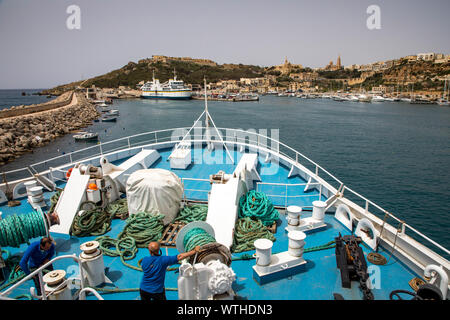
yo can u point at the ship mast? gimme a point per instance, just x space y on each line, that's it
208 118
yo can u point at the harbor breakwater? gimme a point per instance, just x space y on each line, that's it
24 128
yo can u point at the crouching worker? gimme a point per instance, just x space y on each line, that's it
36 255
154 268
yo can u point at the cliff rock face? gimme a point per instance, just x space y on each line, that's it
21 134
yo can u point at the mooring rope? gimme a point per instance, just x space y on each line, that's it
97 221
141 229
196 212
328 245
196 237
255 204
247 231
144 228
18 229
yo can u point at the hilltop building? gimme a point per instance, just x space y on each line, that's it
331 67
287 67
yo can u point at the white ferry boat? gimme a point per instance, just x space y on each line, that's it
172 89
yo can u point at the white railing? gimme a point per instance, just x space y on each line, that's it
402 225
286 187
194 190
163 136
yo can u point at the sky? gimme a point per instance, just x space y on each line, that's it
38 50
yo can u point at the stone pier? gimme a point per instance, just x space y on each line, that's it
26 127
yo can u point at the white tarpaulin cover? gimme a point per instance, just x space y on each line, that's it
151 190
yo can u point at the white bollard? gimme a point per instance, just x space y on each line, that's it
93 264
53 280
296 243
293 218
263 251
30 184
319 210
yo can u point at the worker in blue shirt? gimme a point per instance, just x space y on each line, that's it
154 268
36 255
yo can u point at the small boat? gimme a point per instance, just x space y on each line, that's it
443 102
419 100
113 112
86 136
353 98
109 118
405 100
363 98
103 105
336 98
378 99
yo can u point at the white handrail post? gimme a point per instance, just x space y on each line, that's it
70 157
320 192
128 140
317 170
41 284
402 232
100 146
156 137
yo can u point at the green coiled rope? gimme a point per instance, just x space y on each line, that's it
196 237
196 212
144 228
18 229
255 204
97 221
141 229
246 232
124 248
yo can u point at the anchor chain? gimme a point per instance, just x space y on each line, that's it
362 274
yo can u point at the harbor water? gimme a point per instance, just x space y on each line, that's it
395 154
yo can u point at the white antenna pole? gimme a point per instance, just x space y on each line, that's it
206 106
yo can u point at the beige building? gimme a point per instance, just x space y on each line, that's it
287 67
426 56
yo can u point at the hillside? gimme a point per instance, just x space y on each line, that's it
190 72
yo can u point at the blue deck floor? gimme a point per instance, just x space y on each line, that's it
319 280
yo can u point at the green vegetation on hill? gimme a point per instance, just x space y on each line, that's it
193 73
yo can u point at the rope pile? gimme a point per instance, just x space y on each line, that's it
97 221
124 248
144 228
255 204
246 232
18 229
196 237
196 212
54 200
141 229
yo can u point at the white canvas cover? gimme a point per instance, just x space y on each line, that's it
151 190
